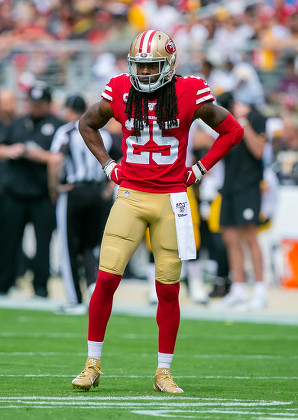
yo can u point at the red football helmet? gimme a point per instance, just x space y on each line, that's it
147 47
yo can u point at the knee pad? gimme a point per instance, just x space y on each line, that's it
168 269
111 259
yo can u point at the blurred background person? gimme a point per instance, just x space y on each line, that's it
26 190
84 197
212 256
241 204
8 111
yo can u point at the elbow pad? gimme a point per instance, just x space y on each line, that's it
230 134
232 127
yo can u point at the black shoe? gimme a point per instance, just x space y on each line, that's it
41 292
218 291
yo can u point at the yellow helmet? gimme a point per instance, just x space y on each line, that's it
152 46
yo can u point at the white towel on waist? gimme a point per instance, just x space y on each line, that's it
184 226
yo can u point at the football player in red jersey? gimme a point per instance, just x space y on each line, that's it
156 108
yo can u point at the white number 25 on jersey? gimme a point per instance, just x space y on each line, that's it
143 157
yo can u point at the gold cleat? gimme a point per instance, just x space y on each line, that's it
89 376
163 382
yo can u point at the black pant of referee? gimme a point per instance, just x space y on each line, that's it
18 212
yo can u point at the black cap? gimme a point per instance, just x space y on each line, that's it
76 103
40 93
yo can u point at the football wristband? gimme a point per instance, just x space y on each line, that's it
198 170
106 164
108 168
203 170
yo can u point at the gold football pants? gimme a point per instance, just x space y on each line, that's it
131 214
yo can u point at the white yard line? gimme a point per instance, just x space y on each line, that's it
161 406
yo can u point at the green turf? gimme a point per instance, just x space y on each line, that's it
227 370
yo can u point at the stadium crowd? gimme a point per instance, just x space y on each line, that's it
246 48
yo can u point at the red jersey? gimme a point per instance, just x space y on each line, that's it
152 162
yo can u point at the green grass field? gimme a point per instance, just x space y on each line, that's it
228 370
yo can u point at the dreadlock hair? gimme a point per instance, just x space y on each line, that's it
166 109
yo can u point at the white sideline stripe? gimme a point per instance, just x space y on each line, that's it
29 375
9 334
197 356
267 317
138 336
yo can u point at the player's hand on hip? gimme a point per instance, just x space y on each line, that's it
193 174
113 172
189 176
116 174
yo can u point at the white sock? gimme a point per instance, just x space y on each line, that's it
259 288
239 288
164 360
194 269
94 349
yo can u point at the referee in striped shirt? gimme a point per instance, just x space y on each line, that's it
79 186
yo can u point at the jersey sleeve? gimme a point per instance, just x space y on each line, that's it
198 92
108 91
114 90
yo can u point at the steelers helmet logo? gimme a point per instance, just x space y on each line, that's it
170 46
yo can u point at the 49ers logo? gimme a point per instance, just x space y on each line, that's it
170 46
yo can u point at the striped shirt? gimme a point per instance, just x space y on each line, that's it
80 165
